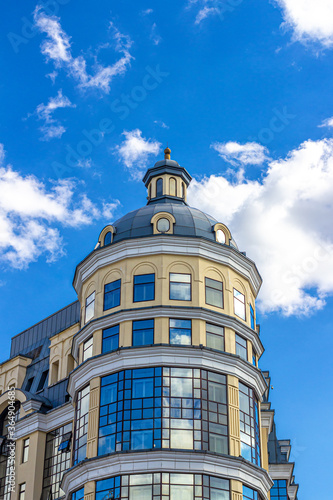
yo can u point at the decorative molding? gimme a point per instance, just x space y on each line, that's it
31 405
267 419
234 429
179 245
166 312
166 355
167 461
93 418
281 471
44 422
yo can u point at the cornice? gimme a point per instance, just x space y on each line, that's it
166 355
235 468
267 419
44 422
166 312
174 245
281 471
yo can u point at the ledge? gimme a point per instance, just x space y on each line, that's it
44 422
166 355
176 245
166 312
141 462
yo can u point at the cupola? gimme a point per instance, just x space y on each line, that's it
166 180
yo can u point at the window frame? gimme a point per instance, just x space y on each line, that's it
244 303
252 318
246 346
111 291
22 491
222 294
87 306
25 450
85 349
138 284
216 335
113 335
140 329
178 282
180 319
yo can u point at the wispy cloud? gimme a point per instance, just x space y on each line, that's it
146 12
161 124
205 12
31 215
310 20
207 8
284 224
135 150
250 153
52 128
327 123
57 48
154 36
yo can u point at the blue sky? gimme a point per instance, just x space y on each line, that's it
90 94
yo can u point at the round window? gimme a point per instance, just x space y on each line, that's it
163 225
220 236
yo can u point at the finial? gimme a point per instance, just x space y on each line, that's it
167 153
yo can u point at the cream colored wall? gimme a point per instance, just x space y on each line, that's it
12 373
60 353
31 471
166 185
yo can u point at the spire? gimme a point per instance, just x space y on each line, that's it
167 153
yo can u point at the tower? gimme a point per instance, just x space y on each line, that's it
150 385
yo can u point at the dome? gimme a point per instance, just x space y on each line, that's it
190 222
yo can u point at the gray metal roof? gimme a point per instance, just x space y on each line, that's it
189 221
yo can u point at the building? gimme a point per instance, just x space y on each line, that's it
148 386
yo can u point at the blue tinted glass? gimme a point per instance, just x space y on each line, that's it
143 332
159 187
252 317
143 388
144 278
107 238
143 372
180 332
112 295
78 495
142 439
110 340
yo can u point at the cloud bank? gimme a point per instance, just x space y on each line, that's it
284 222
31 214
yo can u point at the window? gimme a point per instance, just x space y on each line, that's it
143 332
183 190
81 425
22 491
112 295
279 490
180 331
241 347
107 238
56 462
144 287
173 186
253 325
180 286
42 380
163 225
220 236
249 425
90 307
249 494
88 349
79 494
159 187
254 360
239 304
65 442
25 451
174 486
29 384
192 402
214 292
215 337
110 340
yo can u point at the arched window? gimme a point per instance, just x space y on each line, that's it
172 187
149 191
183 190
159 187
107 238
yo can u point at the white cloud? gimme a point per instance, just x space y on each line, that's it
310 20
31 213
146 12
52 128
250 153
284 222
161 124
135 150
154 36
57 48
327 123
205 12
